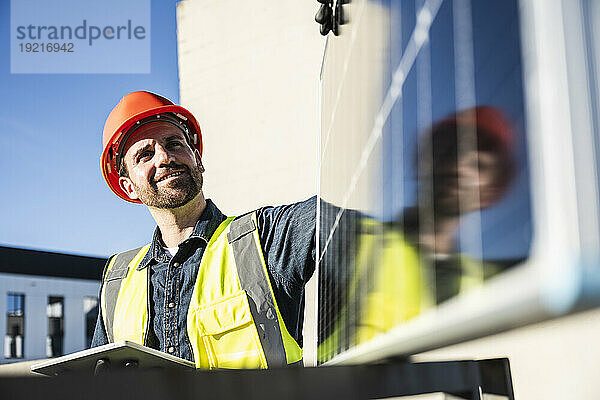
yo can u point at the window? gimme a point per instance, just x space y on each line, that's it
56 324
15 326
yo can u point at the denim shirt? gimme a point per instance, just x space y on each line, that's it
287 236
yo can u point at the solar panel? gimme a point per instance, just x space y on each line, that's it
433 190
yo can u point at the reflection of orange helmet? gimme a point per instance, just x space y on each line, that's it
493 133
489 123
134 110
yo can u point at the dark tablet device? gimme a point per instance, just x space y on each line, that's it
113 356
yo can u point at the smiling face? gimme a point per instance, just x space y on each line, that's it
163 171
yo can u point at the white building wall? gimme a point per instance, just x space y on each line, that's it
37 290
74 324
555 359
36 324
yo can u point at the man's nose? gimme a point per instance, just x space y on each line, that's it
161 156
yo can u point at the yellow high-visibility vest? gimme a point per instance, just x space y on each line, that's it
233 320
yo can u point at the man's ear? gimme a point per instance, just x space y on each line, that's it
128 188
199 160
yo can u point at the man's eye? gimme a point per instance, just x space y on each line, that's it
174 145
145 155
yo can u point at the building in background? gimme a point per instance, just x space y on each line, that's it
48 303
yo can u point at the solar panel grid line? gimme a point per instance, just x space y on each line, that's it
463 56
353 34
310 331
393 93
324 298
397 140
333 300
398 171
465 97
425 191
346 332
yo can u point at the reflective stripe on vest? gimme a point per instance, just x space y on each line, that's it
123 293
233 320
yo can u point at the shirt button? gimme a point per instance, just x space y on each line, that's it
171 349
171 305
176 264
270 314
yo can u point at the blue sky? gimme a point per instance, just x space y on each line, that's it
53 194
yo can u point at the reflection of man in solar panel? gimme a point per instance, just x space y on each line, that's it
465 164
399 269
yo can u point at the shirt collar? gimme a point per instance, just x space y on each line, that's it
207 224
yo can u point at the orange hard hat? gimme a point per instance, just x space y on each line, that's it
134 110
489 123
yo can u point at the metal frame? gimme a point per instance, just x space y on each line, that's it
462 379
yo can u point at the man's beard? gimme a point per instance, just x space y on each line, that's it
175 194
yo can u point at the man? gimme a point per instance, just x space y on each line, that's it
222 292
